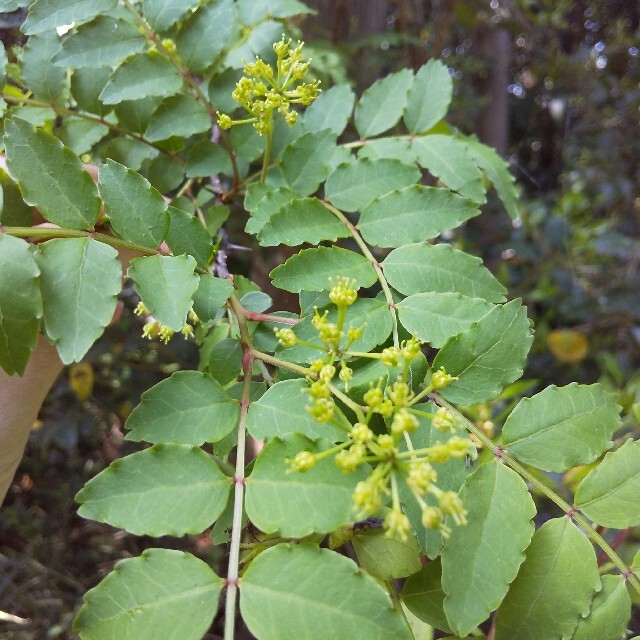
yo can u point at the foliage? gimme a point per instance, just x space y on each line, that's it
354 394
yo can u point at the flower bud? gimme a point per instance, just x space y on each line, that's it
303 461
443 420
322 410
224 121
286 337
361 433
397 525
451 504
441 379
404 421
343 294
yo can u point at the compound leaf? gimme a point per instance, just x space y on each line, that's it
449 160
413 214
429 97
560 428
278 600
301 221
331 110
178 115
187 408
381 105
80 280
299 503
480 559
608 494
20 303
139 76
310 269
610 612
169 489
305 162
424 267
210 296
354 185
488 356
554 587
166 285
103 42
45 15
189 236
436 317
50 176
282 410
137 211
142 598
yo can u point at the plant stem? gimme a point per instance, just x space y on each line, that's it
349 402
276 362
85 116
190 80
267 317
238 497
267 150
569 510
376 265
48 232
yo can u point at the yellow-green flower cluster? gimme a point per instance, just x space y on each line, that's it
389 448
154 329
264 90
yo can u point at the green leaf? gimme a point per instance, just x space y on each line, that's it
560 428
225 360
142 598
299 503
169 489
188 235
497 171
488 356
20 304
451 476
436 317
608 494
50 176
282 411
554 587
161 14
135 115
86 85
396 148
423 267
187 408
45 15
449 160
610 612
413 214
81 135
247 143
429 97
353 186
268 204
165 174
179 115
258 43
371 313
203 35
166 285
210 296
127 151
305 162
480 559
14 211
136 210
103 42
310 269
142 75
331 110
386 558
45 80
277 599
381 105
299 221
423 595
80 280
207 159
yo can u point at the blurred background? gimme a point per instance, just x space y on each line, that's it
554 86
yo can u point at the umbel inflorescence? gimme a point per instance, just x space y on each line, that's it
389 450
264 90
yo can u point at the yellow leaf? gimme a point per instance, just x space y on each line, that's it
568 346
81 379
